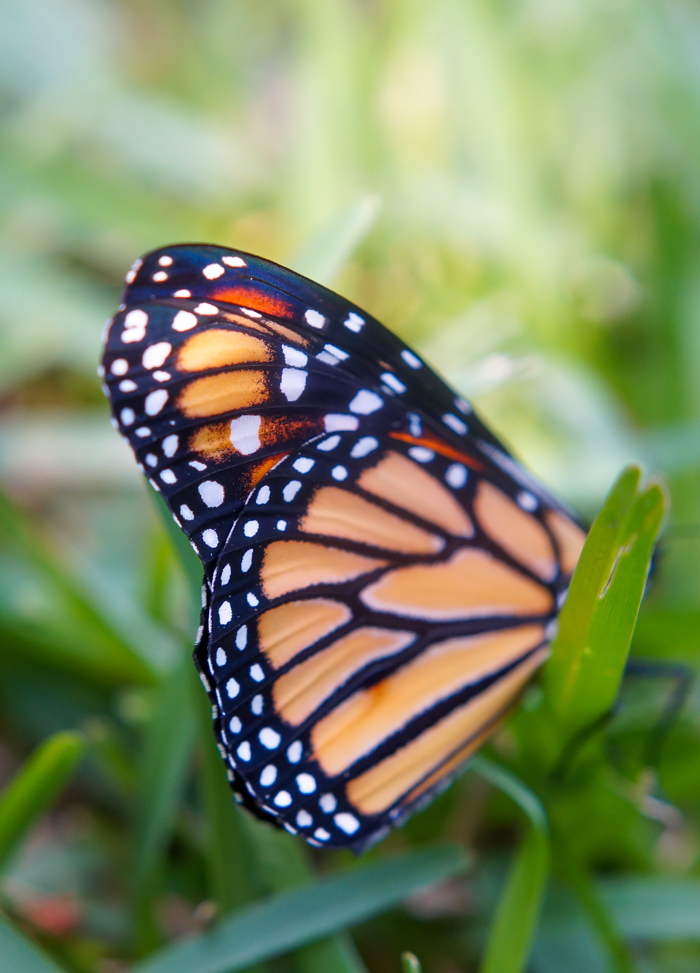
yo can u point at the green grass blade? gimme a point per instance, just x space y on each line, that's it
325 255
596 624
35 787
514 924
410 963
69 630
230 855
163 773
19 954
304 915
191 565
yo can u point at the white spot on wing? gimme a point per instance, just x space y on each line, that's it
205 308
421 454
363 447
155 402
327 803
160 276
456 476
269 738
413 361
347 822
303 464
212 493
212 271
127 386
268 775
306 783
210 537
294 357
155 355
327 445
393 382
245 434
314 318
292 383
120 366
186 512
366 402
290 490
354 322
334 422
233 261
339 473
294 751
182 293
455 423
225 613
183 321
170 444
127 416
527 501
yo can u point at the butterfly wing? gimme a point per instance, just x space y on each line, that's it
380 582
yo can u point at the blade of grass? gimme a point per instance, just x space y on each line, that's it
75 634
230 856
595 909
514 924
596 624
35 787
410 963
303 915
19 954
163 773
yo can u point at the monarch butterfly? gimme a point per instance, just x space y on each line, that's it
381 577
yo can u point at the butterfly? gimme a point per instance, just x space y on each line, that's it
381 577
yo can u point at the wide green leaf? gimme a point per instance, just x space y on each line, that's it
596 624
306 914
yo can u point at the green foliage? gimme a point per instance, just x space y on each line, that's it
582 677
32 791
511 187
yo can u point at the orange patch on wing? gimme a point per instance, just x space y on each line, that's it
293 565
287 630
518 533
471 584
258 470
218 347
360 724
340 513
569 537
406 484
214 440
384 784
248 295
450 765
302 690
439 446
225 392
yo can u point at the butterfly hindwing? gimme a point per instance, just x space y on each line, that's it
381 576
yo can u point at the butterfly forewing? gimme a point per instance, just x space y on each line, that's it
382 577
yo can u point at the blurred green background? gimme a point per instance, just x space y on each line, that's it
511 185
